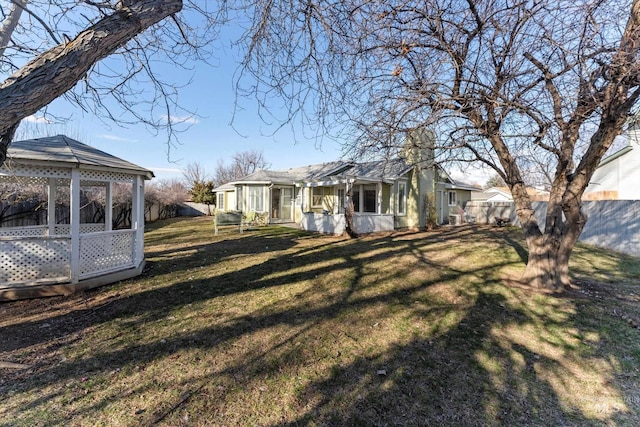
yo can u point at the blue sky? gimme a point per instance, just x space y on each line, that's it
210 136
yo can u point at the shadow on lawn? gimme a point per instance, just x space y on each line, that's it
498 377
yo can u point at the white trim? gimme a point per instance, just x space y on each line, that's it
51 206
137 212
75 225
397 198
108 209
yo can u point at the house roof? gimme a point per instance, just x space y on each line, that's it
534 193
70 153
224 187
616 155
383 169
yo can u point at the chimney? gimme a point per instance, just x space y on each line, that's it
418 148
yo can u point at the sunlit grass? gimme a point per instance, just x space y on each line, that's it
278 327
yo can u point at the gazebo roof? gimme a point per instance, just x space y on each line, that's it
67 151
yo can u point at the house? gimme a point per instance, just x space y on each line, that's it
618 175
386 194
493 194
502 194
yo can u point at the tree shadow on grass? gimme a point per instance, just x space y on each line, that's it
386 346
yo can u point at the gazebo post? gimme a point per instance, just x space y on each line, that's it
75 225
108 209
51 206
137 218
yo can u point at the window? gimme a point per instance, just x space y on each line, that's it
452 198
316 197
370 198
220 204
402 198
239 201
356 199
341 197
256 199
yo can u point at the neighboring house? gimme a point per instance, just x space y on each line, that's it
493 194
502 194
386 194
618 175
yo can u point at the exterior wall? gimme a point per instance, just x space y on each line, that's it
412 218
230 200
332 224
617 178
462 197
427 185
387 200
372 223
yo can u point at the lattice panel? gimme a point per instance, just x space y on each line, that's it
91 228
84 183
105 252
24 181
101 176
64 229
25 260
35 231
15 169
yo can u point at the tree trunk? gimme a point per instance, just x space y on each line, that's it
550 251
57 70
548 264
348 219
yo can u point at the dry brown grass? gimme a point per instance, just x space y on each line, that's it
276 327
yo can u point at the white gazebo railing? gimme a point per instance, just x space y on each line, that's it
105 252
34 260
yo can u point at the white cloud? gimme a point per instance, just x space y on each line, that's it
190 120
167 170
115 138
37 119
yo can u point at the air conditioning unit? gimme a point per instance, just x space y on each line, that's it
455 219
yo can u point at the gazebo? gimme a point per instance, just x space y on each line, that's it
66 252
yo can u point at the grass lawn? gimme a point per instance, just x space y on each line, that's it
277 327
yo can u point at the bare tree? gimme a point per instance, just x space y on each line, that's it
168 195
46 63
495 181
242 164
497 80
194 172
